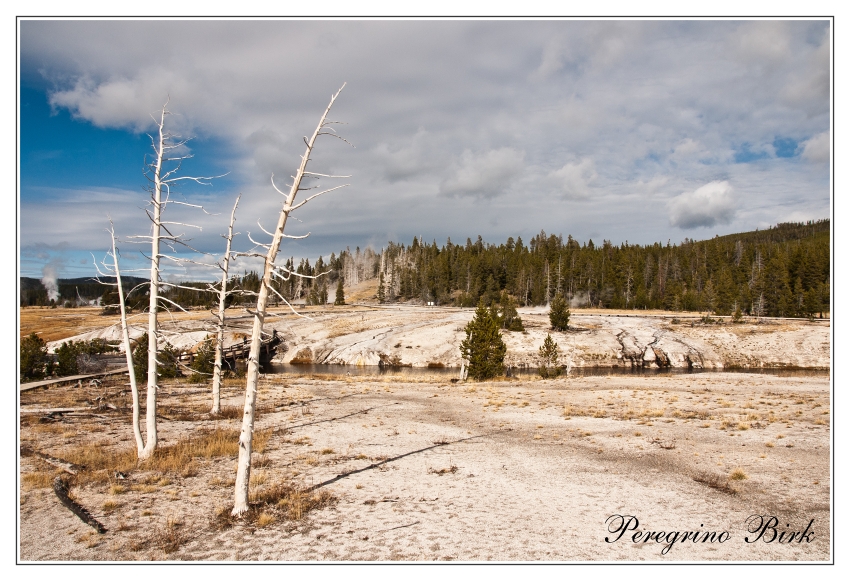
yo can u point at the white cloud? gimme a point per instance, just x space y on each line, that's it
122 102
706 206
573 180
615 110
485 175
816 149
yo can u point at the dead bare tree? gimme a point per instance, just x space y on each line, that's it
243 471
125 333
222 296
166 147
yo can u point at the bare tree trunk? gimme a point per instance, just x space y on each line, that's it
134 389
150 411
243 471
222 295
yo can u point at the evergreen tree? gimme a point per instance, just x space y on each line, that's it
559 313
167 367
483 347
204 362
508 316
549 358
340 294
33 357
66 359
382 297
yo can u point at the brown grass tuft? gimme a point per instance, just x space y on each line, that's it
100 461
715 481
738 474
33 480
229 413
261 440
265 519
178 458
172 536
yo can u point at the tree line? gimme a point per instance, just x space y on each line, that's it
781 271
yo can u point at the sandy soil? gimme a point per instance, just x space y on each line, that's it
430 470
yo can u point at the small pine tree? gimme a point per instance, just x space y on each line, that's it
508 316
204 362
483 347
549 356
33 357
340 294
738 316
140 358
382 296
559 313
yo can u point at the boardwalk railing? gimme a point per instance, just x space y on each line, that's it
241 350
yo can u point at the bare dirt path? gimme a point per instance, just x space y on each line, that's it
428 470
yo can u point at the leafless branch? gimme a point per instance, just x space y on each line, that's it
296 206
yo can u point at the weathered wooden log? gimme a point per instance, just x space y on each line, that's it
60 487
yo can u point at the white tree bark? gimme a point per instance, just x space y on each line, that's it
162 180
114 271
216 388
150 411
243 471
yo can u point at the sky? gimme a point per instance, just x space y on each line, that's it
626 130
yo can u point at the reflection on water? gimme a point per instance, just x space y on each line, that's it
375 370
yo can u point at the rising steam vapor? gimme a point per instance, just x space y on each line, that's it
50 281
580 299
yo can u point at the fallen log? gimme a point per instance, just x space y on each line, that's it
60 487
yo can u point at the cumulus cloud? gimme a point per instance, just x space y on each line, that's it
121 102
816 149
467 109
484 175
704 207
573 180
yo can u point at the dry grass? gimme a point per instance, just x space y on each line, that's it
100 461
229 413
179 458
738 474
261 440
59 323
450 470
280 500
715 481
171 536
109 506
33 480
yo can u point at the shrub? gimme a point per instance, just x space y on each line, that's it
33 357
167 357
66 359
